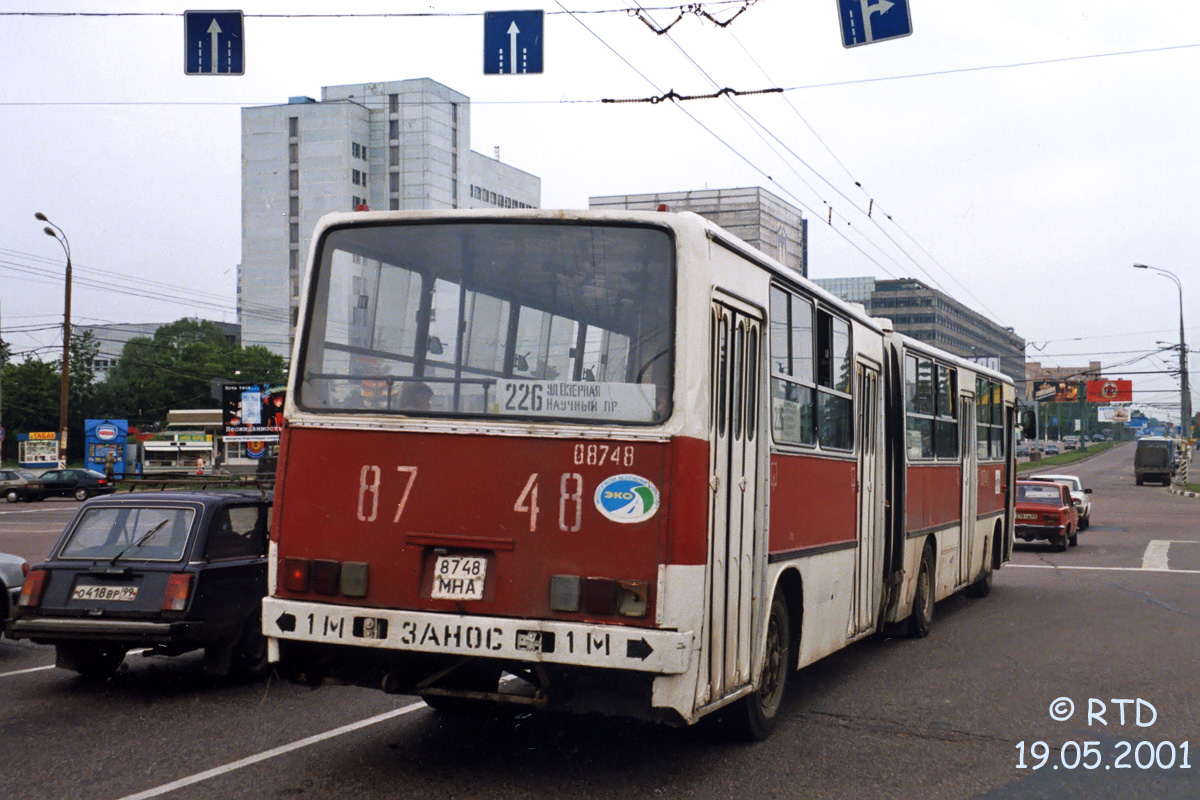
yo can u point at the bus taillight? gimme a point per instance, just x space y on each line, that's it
295 574
325 576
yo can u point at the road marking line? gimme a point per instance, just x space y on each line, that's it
1155 556
24 671
272 753
1108 569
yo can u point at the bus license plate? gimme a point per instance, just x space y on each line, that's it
104 593
459 577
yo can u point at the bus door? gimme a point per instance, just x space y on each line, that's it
734 574
970 487
868 585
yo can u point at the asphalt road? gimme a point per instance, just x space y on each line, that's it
1115 619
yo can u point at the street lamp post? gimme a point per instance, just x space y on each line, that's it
57 234
1185 397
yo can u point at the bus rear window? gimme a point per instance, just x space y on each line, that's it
530 320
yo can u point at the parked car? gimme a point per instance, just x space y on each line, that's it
1045 512
78 483
13 570
1079 495
168 571
1051 449
13 483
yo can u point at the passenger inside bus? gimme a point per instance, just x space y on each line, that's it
416 396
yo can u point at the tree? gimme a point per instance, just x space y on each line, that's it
174 370
31 393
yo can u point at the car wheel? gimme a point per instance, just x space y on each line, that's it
1085 522
1073 539
12 495
1061 543
754 716
81 494
94 661
922 611
250 652
1141 481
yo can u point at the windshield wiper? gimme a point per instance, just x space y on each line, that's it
141 541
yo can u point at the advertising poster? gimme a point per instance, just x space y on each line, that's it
252 409
1106 391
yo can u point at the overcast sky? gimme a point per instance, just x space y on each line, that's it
1021 155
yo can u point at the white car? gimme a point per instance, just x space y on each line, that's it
1079 495
13 570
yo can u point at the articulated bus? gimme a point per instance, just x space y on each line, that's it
621 457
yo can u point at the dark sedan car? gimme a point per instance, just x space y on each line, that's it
168 571
78 483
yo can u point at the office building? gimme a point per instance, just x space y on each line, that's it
929 315
369 146
754 215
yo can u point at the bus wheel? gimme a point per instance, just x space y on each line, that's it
922 611
754 716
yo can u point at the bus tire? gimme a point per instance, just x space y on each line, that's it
754 716
921 619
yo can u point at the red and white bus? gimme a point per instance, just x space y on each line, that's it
621 456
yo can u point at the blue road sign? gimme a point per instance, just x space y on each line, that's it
213 43
867 21
512 42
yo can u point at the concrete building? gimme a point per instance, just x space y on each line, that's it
391 145
754 215
113 338
931 316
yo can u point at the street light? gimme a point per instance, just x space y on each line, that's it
1185 397
57 234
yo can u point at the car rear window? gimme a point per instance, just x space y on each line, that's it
1050 494
132 534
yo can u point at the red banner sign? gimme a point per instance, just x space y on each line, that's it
1110 391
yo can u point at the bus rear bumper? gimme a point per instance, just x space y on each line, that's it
533 641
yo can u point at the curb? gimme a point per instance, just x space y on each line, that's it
1182 493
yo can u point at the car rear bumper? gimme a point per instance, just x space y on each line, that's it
1031 533
47 630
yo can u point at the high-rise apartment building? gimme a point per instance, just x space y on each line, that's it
753 214
392 145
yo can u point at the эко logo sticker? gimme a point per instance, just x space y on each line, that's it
627 498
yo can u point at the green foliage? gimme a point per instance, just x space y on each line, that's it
31 390
175 370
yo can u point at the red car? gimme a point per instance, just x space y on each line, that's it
1045 511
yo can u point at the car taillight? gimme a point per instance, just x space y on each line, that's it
31 590
179 586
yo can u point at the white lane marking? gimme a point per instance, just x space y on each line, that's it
272 753
24 671
1155 556
1106 569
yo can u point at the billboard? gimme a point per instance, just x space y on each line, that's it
252 409
1056 391
1118 414
1106 391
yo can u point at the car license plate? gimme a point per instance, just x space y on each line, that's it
104 593
1030 517
459 577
